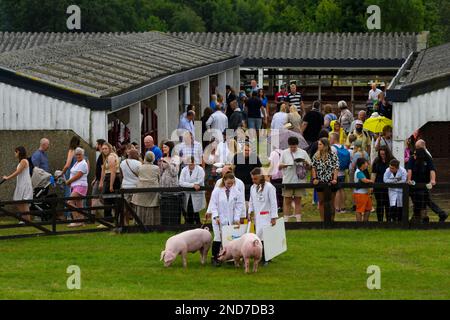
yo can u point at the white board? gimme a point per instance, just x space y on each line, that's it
274 240
233 232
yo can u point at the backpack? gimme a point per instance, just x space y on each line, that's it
343 156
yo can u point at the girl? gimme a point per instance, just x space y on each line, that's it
24 189
226 207
325 167
263 203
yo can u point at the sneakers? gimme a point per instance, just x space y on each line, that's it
443 217
298 217
101 226
75 225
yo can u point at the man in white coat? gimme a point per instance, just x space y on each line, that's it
193 176
263 203
395 174
226 206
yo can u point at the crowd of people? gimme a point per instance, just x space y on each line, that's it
325 145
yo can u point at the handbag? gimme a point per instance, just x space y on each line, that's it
300 169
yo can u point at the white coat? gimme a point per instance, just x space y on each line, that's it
264 205
188 180
241 187
227 210
395 195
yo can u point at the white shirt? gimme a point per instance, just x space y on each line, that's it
83 168
279 119
373 94
130 179
218 120
264 205
274 159
395 195
187 180
290 172
224 154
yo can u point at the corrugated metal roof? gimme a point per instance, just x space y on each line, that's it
308 46
102 64
430 64
10 41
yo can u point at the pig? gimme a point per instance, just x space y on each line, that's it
248 246
188 241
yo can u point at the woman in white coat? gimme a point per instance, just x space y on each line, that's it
395 174
226 206
193 176
238 184
263 203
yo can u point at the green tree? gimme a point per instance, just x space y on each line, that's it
186 20
401 15
328 16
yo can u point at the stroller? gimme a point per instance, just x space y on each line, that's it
41 182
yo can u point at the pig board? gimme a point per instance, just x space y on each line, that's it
274 240
232 232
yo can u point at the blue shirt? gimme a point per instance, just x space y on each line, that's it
187 125
40 160
157 151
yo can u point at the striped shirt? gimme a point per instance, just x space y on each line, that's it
295 99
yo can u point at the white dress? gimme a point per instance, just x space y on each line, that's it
24 189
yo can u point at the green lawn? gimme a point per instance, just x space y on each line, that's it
319 264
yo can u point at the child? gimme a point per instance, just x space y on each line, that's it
362 196
395 174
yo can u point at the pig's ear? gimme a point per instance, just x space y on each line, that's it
162 255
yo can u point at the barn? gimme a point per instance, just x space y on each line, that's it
118 86
420 94
326 66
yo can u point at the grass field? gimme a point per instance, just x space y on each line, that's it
319 264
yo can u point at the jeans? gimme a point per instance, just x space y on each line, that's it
254 123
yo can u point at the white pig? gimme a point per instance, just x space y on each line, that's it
248 246
188 241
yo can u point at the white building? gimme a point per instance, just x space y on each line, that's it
421 100
90 83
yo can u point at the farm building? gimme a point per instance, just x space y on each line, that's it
116 86
85 82
326 66
420 94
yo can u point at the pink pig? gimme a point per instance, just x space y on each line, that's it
248 246
188 241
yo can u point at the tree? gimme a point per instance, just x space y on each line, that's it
186 20
328 16
401 15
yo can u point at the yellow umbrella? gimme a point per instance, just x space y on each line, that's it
377 124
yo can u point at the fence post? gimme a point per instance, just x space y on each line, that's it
54 214
327 205
405 209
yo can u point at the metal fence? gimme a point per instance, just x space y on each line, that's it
48 212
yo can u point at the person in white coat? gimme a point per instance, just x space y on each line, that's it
239 185
193 176
226 206
263 203
395 174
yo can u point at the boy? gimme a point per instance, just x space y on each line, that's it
395 174
362 196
